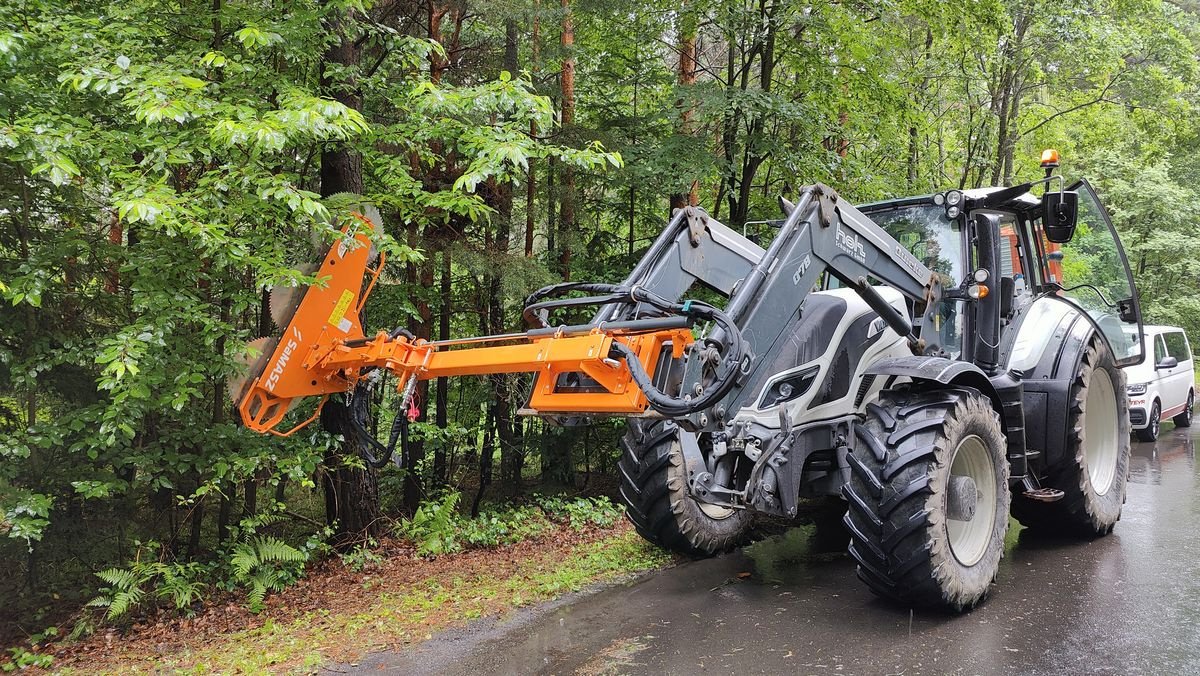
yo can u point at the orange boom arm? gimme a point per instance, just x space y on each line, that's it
323 351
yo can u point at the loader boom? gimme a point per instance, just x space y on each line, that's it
639 354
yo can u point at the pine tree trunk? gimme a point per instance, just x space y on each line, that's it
566 221
687 78
531 179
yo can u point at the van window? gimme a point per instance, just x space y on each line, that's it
1177 346
1160 351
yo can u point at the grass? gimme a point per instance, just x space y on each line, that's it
393 618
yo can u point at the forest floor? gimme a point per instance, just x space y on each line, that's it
335 614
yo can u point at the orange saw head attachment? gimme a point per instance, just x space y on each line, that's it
311 320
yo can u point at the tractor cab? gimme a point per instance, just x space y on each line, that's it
996 242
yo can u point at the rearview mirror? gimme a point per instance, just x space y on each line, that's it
1167 363
1059 213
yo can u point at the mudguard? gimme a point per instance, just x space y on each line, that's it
1048 372
938 370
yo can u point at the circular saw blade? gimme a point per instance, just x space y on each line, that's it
372 214
357 204
284 300
252 362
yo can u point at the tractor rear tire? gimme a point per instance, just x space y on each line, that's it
657 502
1092 471
921 458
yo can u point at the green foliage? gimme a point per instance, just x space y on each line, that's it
256 563
434 527
362 557
147 580
265 564
581 512
21 658
437 528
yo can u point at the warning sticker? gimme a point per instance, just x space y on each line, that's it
338 318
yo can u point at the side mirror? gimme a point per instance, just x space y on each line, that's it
1127 311
1059 213
1167 363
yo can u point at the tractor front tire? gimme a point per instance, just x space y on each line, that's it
657 502
928 497
1092 471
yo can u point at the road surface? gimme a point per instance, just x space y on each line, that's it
1125 604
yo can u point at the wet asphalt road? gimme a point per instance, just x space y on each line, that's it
1125 604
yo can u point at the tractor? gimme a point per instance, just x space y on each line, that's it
936 362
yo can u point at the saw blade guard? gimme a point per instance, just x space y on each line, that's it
319 314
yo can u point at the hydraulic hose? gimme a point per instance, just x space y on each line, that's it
731 345
399 432
676 407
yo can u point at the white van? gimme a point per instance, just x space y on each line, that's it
1163 386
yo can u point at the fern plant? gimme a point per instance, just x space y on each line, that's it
434 528
265 564
124 591
131 588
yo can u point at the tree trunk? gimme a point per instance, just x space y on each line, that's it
351 493
250 497
486 451
566 221
197 525
442 395
531 178
688 66
414 488
224 510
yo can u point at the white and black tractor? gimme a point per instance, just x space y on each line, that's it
925 359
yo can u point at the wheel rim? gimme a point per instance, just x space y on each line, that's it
1187 412
714 512
969 539
1155 420
1100 431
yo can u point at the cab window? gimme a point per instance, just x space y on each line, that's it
937 241
1160 350
1091 272
1177 346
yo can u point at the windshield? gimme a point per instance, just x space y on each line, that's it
937 242
927 234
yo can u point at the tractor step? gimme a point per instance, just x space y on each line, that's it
1044 494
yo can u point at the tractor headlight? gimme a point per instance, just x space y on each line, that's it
790 387
1139 388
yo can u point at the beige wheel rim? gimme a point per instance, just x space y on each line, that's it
1100 431
969 539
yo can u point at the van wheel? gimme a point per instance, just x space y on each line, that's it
1153 423
1185 419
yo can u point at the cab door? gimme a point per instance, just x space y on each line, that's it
1176 373
1095 276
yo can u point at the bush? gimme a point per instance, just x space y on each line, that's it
580 512
438 529
148 579
257 563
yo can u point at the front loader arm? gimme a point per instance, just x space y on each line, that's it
822 234
639 352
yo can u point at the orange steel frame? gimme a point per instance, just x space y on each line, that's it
323 351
